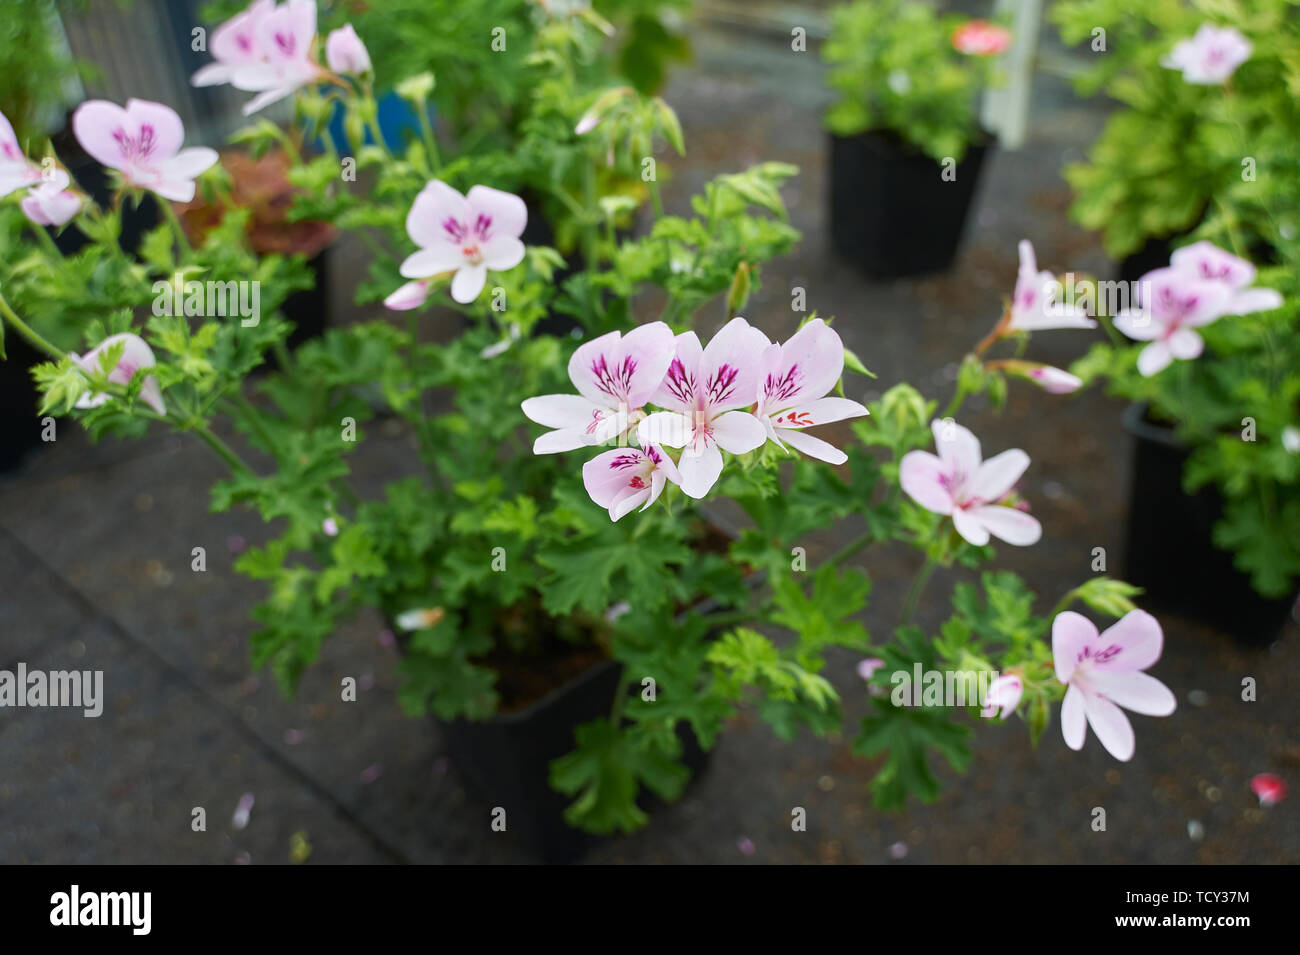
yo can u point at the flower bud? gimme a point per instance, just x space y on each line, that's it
345 53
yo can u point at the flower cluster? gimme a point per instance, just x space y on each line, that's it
270 50
734 395
461 235
1201 284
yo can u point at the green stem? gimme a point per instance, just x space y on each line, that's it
1061 604
851 548
223 450
958 398
430 144
43 237
918 586
620 698
253 417
182 241
33 338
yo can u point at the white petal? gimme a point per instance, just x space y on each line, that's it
468 282
970 527
560 411
1136 691
1154 359
814 447
998 475
738 432
1111 726
1074 726
700 471
1009 524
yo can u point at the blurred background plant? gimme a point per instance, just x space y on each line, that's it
895 68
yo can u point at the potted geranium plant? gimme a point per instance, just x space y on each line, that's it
1211 366
561 583
906 142
1197 96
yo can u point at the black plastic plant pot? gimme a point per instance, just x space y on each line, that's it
893 214
308 309
20 427
1170 552
507 760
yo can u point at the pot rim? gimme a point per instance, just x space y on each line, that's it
1135 423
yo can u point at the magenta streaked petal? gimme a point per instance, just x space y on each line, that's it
921 476
1137 640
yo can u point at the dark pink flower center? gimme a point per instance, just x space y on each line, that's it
614 381
680 384
136 148
722 384
779 389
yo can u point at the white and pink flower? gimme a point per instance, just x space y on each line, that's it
1207 261
1003 694
16 170
136 356
1210 56
1034 306
142 142
623 478
974 492
1103 672
52 203
615 375
794 380
465 235
1174 303
703 389
234 45
268 50
49 200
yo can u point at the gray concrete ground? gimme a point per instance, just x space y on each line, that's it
94 563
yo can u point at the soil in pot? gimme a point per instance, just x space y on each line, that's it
892 212
1170 552
561 678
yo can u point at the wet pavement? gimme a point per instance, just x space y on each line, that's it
95 551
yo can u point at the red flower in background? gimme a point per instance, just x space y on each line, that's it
980 38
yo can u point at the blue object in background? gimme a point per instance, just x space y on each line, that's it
396 118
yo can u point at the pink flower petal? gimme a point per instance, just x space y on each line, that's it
998 475
1008 524
1136 639
922 476
1111 726
1136 691
1072 634
1074 724
505 211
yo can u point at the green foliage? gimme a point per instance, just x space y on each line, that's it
485 557
894 68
